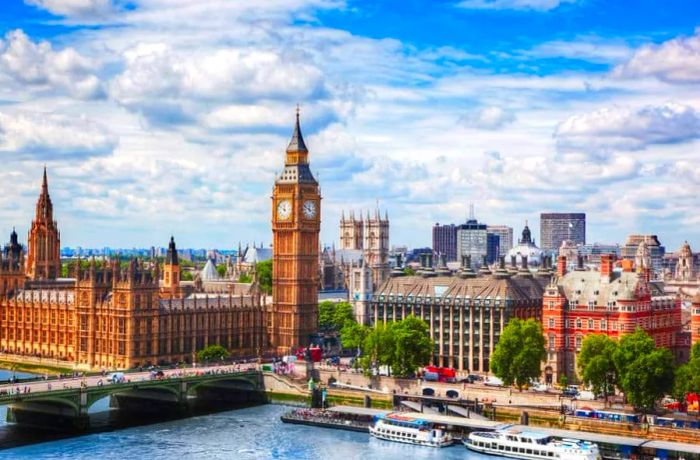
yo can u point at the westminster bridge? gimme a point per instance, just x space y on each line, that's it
64 404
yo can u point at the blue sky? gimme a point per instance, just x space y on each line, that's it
171 116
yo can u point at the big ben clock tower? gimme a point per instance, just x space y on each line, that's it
296 222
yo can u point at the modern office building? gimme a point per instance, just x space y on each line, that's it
505 237
475 241
445 241
465 311
556 227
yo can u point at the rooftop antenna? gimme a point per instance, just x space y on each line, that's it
471 211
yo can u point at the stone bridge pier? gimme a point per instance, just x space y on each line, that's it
68 409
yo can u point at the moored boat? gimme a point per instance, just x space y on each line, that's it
533 445
399 428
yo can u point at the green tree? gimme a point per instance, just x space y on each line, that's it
212 353
645 373
245 278
408 271
595 363
519 352
379 347
343 314
264 271
221 270
412 346
332 316
687 378
563 381
326 311
186 275
353 335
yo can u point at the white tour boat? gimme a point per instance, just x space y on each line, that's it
531 445
399 428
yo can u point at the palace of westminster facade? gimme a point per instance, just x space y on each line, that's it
124 314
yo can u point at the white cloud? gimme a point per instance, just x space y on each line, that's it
75 8
37 65
535 5
160 81
627 129
676 60
51 136
491 117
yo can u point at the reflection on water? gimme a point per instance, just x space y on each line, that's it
250 433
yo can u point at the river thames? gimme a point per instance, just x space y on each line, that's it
250 433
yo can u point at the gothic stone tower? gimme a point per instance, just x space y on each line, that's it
376 247
171 272
351 232
43 256
296 209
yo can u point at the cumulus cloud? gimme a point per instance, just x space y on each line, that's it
676 60
161 81
535 5
75 8
41 135
491 117
37 65
619 128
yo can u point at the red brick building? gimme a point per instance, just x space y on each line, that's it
610 302
695 318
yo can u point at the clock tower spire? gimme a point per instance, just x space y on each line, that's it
296 208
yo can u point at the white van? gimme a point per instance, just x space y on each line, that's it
493 382
586 395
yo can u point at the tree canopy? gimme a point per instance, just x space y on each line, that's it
688 375
595 363
413 347
402 346
519 352
212 353
264 271
645 373
332 316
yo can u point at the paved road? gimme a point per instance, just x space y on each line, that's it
53 384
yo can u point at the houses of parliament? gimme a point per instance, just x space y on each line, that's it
125 314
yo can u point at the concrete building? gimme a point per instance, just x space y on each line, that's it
465 311
473 240
656 251
505 238
556 227
581 302
592 252
445 241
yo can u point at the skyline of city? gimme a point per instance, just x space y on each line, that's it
505 104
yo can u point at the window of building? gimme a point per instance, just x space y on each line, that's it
551 341
579 339
590 324
551 322
578 323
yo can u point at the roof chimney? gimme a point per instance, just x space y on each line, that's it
561 266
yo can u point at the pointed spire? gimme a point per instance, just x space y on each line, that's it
45 183
171 256
296 144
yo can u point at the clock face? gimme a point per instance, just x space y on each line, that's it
309 209
284 209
